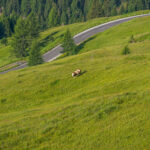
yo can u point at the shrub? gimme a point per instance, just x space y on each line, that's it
132 39
3 100
126 50
4 41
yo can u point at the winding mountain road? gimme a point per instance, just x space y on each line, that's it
81 37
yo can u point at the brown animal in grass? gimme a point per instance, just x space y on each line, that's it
76 73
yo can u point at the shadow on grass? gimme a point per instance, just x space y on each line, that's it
81 46
78 48
83 72
48 39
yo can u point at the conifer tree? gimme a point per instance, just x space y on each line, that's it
64 19
33 26
122 10
114 11
53 16
131 6
7 27
13 20
20 39
4 41
2 32
107 8
68 44
96 10
26 7
35 57
25 31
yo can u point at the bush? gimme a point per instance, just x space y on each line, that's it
3 100
126 50
132 39
4 41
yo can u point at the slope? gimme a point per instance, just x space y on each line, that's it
107 107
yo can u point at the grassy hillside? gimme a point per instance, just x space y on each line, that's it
107 107
53 36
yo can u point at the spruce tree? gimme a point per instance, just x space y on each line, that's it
25 31
122 10
114 11
33 26
13 21
20 41
4 41
107 8
7 27
64 20
131 6
68 44
96 10
2 30
26 7
53 17
35 57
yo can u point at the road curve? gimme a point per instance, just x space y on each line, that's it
81 37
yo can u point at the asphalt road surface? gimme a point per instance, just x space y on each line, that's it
79 38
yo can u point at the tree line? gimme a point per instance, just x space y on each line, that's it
52 13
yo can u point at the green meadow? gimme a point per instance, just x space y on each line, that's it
52 37
106 108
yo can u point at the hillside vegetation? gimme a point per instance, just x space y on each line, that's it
52 13
107 107
54 36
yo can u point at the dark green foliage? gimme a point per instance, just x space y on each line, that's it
122 10
3 100
126 50
7 27
25 31
131 6
56 12
33 26
2 32
35 57
20 41
53 17
114 11
4 41
25 7
13 19
64 19
96 10
68 44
